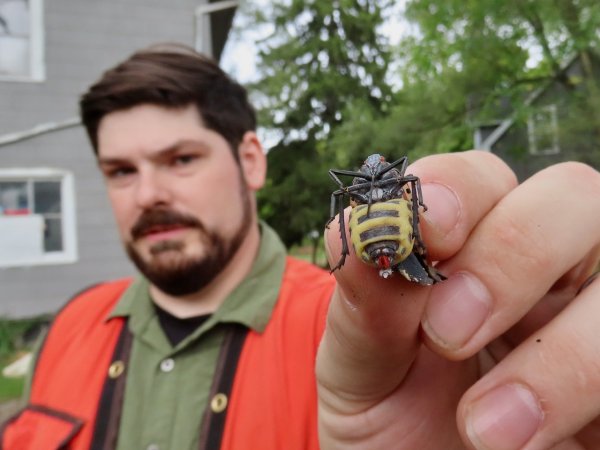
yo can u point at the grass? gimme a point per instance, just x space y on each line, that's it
10 388
306 253
13 344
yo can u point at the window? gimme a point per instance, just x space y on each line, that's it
21 40
482 133
542 128
37 217
213 21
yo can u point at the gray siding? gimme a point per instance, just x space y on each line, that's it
82 39
39 289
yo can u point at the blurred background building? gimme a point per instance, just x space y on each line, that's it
547 127
57 234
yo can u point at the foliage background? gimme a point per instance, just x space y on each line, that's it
332 89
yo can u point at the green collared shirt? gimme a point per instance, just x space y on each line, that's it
167 387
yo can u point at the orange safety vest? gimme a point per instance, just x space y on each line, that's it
272 403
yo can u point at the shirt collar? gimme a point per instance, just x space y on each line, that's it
251 303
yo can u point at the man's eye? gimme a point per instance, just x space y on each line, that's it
119 172
182 160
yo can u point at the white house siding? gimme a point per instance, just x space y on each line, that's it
82 39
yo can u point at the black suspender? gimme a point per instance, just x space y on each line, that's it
213 422
106 429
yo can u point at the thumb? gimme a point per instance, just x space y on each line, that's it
372 331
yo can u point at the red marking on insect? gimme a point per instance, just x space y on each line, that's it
383 262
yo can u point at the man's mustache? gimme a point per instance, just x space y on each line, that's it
162 218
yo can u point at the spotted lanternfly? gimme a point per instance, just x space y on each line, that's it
384 221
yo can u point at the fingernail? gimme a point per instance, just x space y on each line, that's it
456 310
505 418
443 207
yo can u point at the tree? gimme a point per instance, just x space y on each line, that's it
326 92
321 56
469 60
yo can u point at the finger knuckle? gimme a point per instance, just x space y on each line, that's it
580 176
516 250
496 164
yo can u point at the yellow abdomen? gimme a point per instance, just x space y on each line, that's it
388 224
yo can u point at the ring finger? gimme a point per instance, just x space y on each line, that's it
546 391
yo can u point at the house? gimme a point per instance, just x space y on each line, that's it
57 234
560 121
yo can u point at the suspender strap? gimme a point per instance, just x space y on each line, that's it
213 422
106 429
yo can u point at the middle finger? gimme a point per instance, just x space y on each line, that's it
531 238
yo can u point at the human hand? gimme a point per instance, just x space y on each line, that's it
505 354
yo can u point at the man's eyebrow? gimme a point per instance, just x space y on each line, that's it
111 161
158 154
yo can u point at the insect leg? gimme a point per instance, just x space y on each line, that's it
333 173
355 194
345 249
417 194
332 206
420 251
403 161
416 201
350 191
370 197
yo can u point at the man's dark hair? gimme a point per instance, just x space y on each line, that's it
173 76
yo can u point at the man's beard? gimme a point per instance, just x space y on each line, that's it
182 275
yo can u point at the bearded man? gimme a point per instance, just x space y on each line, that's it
224 342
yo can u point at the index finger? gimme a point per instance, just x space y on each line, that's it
372 330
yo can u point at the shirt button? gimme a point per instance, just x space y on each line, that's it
218 403
166 366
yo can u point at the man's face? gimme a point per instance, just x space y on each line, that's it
179 197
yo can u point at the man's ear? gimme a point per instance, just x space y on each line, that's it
253 161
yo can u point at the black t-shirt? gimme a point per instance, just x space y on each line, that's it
177 329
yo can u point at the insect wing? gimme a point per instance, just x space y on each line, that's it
415 269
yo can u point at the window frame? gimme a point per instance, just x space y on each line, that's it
202 30
68 214
37 68
554 149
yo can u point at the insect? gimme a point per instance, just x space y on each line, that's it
384 221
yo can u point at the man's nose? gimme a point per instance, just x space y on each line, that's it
152 190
